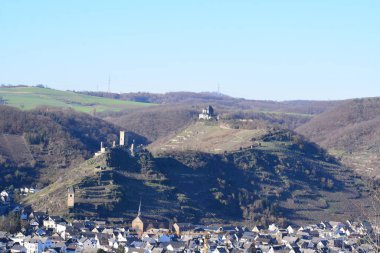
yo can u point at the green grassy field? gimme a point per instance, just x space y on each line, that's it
27 98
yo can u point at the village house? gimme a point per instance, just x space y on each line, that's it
4 197
52 221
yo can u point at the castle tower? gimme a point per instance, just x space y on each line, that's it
137 223
210 110
122 136
101 151
102 148
70 197
132 149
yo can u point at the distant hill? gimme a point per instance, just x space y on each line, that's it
163 121
37 145
286 180
28 97
136 111
179 109
205 98
350 131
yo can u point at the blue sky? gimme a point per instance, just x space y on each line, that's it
268 49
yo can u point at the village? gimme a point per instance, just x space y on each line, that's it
39 232
42 232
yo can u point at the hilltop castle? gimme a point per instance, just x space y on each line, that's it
208 113
123 141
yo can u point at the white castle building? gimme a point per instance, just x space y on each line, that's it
208 113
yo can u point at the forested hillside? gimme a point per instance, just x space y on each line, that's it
286 180
36 145
351 132
155 122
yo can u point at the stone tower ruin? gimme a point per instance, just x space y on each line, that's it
70 197
122 136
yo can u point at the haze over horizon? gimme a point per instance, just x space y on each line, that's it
270 50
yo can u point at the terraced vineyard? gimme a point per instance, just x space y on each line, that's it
55 195
213 137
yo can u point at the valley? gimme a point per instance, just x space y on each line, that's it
205 126
249 166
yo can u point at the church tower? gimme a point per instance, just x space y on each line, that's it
70 197
137 223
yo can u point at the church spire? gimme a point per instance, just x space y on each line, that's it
139 213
